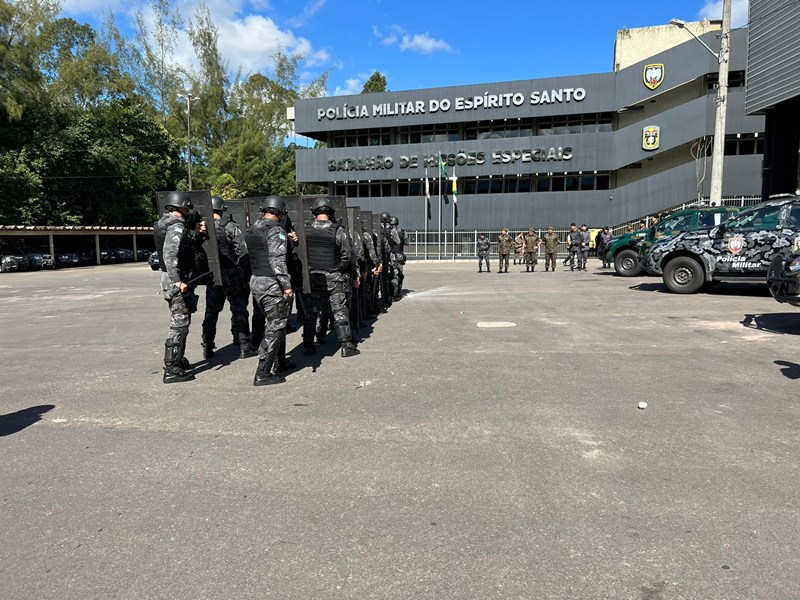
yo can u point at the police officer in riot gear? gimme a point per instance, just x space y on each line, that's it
329 264
397 242
232 258
387 274
176 245
270 284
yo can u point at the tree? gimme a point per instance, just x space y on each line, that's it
376 83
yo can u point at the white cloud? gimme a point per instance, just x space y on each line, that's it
739 11
309 11
79 7
352 86
417 42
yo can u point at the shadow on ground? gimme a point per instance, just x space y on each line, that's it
17 421
787 323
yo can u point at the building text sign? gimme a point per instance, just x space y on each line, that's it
458 104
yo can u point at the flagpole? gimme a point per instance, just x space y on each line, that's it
439 225
425 212
455 199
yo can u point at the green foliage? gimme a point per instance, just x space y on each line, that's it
225 187
376 83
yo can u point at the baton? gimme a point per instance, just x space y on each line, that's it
177 290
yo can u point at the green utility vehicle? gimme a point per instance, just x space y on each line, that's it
624 249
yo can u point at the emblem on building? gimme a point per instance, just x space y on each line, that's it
736 244
651 137
653 75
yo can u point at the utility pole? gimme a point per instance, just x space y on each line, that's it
189 97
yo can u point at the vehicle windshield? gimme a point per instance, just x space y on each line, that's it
674 223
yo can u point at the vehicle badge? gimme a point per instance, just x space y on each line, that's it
653 75
736 244
651 137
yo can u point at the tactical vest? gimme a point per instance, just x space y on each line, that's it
258 247
396 247
227 253
185 250
323 255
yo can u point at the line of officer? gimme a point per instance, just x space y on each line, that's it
232 258
176 245
330 265
397 241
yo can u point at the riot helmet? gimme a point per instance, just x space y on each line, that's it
394 221
322 206
274 205
176 200
385 217
218 204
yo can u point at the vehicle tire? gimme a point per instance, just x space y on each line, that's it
626 263
684 275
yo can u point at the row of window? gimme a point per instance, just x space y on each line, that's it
744 143
480 130
526 184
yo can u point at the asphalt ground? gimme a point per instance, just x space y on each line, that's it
448 460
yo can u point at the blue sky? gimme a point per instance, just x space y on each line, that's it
418 44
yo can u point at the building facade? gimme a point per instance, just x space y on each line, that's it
601 148
773 89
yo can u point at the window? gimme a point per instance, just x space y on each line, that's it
765 217
674 224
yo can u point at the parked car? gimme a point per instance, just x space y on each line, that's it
142 254
121 254
67 259
625 250
8 263
155 264
36 258
740 250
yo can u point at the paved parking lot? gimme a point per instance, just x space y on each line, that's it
454 458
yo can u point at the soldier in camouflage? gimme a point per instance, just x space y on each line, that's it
574 247
483 253
550 240
329 264
583 257
519 248
232 257
176 246
531 248
387 276
397 242
505 244
270 284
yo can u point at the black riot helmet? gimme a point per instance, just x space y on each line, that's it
322 206
394 221
218 204
176 200
385 217
274 205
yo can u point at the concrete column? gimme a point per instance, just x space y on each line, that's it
52 246
97 247
135 255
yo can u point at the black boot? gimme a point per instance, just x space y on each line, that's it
209 333
346 339
284 364
246 350
264 374
173 373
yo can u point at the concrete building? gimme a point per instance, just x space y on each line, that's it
773 89
603 148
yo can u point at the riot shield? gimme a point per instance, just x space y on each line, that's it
237 210
298 218
253 209
202 210
377 232
354 229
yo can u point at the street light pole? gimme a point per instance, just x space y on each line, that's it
189 97
718 151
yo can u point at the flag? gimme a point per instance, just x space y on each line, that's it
442 168
427 188
455 198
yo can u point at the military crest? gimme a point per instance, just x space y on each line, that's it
736 244
653 75
651 137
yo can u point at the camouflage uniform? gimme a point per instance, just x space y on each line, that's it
397 240
329 269
176 244
483 254
550 240
574 247
373 261
583 257
266 240
387 275
504 245
519 243
531 246
232 253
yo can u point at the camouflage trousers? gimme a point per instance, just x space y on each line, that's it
181 307
503 260
530 259
275 309
574 255
583 258
481 260
328 299
397 274
550 260
235 291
